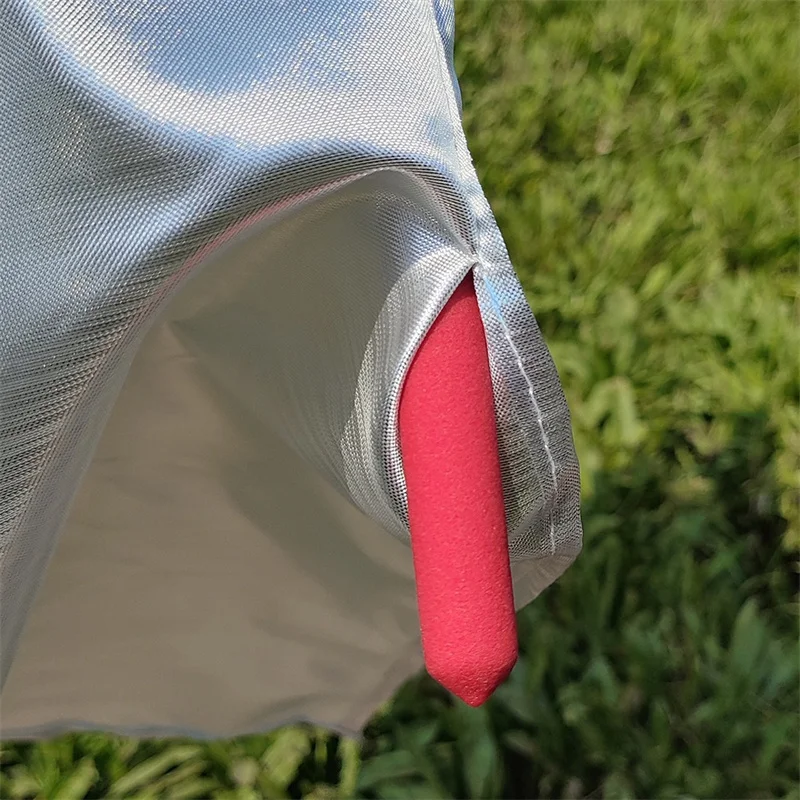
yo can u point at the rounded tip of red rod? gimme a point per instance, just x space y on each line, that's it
474 677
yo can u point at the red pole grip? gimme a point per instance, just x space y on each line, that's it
448 441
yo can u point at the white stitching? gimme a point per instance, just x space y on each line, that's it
539 419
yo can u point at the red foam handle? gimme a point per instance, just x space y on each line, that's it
448 441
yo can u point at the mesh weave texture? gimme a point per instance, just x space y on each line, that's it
300 164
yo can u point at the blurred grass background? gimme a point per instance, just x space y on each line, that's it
642 161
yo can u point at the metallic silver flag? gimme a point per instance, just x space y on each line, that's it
224 229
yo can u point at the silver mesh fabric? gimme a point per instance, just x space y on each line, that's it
284 190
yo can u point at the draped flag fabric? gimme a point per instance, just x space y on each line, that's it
225 228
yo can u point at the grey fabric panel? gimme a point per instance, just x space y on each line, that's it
226 229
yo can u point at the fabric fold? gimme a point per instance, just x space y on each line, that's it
226 230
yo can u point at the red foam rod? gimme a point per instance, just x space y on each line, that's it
448 441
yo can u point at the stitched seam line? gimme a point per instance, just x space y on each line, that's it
531 393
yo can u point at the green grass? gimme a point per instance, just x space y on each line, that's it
642 160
